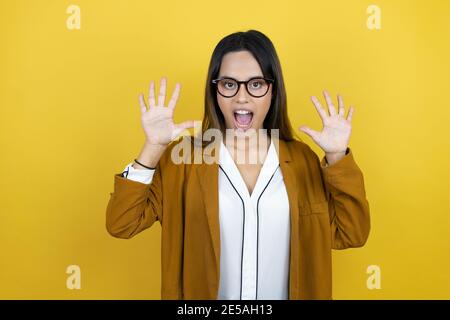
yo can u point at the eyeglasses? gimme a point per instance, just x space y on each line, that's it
256 87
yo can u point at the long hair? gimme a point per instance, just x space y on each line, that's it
260 46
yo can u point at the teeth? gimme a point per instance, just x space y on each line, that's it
242 111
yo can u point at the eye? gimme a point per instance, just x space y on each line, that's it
256 84
229 84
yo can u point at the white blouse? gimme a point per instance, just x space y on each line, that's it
254 229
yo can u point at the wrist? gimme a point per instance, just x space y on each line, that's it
155 145
139 165
333 157
149 156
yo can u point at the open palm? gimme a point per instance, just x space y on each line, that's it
336 130
157 121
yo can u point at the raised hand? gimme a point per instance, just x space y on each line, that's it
336 129
157 120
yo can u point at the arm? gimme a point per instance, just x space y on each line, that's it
135 205
136 202
348 206
140 175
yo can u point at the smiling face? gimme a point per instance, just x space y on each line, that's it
243 111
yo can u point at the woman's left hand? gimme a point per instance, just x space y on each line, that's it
335 135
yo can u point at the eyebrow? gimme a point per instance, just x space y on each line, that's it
225 76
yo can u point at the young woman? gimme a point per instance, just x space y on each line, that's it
236 229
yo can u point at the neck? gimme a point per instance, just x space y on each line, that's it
248 144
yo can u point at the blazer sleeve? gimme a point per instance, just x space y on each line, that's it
347 203
134 206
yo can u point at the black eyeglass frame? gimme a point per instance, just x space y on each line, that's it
215 81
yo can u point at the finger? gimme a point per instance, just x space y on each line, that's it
142 103
310 132
151 95
186 124
175 95
179 128
350 114
341 105
322 113
162 92
329 101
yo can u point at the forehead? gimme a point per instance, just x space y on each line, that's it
240 65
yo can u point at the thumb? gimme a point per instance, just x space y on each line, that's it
186 124
310 132
179 128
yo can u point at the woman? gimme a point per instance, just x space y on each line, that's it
236 229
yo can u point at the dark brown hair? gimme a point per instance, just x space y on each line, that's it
260 46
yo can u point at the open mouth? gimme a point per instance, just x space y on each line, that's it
243 119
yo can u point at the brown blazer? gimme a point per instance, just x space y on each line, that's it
328 210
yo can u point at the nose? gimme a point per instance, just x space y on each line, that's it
242 95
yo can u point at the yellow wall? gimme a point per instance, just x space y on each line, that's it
69 120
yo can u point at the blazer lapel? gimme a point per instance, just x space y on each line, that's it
291 184
288 171
208 172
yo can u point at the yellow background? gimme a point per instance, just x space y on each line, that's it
70 120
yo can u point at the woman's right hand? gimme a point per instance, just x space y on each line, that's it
157 120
